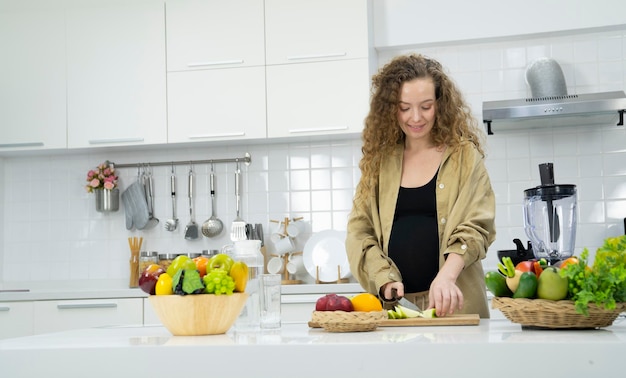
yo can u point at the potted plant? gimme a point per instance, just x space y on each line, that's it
103 182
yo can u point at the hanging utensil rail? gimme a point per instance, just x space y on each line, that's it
246 159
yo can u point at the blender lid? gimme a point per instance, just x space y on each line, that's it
551 191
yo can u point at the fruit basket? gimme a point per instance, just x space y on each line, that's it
347 321
198 314
554 314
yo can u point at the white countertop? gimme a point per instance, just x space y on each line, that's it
102 293
495 348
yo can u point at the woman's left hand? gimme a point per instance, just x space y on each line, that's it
445 296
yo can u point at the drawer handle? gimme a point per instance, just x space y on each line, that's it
215 63
316 56
217 135
5 308
118 140
313 129
26 144
85 305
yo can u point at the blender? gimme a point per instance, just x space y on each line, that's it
550 217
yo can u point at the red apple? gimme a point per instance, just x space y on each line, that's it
333 302
149 277
339 303
322 302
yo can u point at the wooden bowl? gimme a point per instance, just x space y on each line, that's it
198 314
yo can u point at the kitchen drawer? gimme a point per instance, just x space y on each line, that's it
16 319
54 316
149 315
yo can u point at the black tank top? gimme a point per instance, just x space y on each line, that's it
414 241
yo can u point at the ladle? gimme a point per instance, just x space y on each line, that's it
212 226
172 223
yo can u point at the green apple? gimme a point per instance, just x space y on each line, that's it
220 261
180 262
551 285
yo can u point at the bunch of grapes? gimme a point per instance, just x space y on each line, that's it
218 282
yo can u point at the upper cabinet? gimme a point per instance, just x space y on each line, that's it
319 64
310 30
32 75
116 88
216 70
395 21
208 34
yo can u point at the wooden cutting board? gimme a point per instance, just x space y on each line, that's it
457 319
451 320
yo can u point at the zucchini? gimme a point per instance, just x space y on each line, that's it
496 283
527 287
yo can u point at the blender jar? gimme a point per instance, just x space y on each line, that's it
550 220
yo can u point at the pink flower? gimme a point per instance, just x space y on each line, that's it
103 177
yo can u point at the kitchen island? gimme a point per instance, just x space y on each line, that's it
495 348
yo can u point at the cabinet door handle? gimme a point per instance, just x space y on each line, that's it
317 129
215 63
86 305
118 140
316 56
25 144
205 136
5 308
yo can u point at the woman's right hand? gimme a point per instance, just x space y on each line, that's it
392 290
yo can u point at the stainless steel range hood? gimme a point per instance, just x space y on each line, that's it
585 109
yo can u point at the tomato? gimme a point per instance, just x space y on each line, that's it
524 266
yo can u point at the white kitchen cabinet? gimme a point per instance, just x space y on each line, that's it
314 30
54 316
396 26
320 98
207 34
319 64
210 105
16 319
116 79
32 75
149 315
216 70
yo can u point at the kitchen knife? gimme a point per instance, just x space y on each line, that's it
405 302
408 304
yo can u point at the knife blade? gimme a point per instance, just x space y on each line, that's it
408 304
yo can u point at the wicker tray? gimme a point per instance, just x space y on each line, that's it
342 321
554 314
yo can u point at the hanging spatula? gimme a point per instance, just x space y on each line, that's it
191 231
238 227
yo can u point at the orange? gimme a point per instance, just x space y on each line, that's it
201 263
366 302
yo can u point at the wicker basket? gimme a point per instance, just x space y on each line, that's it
554 314
342 321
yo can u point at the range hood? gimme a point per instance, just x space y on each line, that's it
585 109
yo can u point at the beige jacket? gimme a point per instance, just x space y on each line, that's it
466 213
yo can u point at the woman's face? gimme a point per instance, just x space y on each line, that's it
416 110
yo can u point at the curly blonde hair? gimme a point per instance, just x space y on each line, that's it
453 118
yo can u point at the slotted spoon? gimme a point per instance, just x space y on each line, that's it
172 223
238 227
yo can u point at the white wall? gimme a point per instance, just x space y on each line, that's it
53 236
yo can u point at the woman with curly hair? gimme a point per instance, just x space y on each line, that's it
424 211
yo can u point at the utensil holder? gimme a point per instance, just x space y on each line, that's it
107 200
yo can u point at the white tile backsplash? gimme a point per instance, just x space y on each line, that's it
48 217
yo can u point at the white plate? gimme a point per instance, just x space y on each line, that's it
323 253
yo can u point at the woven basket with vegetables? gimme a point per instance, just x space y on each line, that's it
569 294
